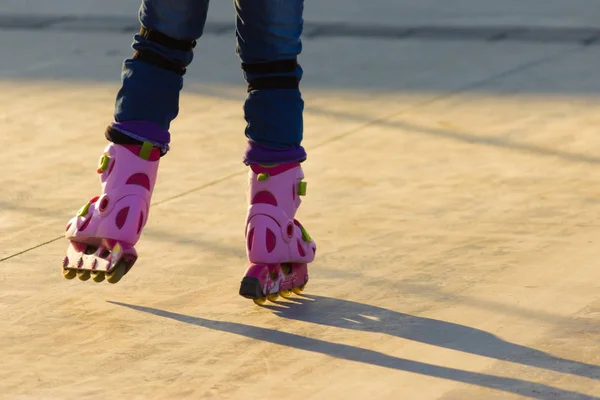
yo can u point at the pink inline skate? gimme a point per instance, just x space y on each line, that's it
277 245
104 232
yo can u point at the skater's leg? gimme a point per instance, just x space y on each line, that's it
151 80
268 44
278 246
103 233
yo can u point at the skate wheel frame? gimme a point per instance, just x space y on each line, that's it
83 261
267 282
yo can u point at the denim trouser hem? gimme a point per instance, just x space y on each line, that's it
266 30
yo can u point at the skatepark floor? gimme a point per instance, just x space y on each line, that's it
453 192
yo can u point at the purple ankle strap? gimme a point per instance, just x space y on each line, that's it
257 153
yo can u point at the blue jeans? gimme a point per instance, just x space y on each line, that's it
267 32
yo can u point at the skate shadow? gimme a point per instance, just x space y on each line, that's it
357 316
366 356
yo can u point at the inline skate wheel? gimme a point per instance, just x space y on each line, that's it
260 301
97 276
285 293
69 273
83 275
298 290
273 297
117 273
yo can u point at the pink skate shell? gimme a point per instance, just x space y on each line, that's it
272 235
118 214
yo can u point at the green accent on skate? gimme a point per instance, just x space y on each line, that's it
104 161
263 176
302 189
305 236
145 150
84 210
268 165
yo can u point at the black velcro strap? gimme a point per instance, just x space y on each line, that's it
167 41
273 83
150 57
118 137
273 67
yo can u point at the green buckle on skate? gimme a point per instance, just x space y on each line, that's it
263 176
145 150
84 210
103 163
305 236
302 189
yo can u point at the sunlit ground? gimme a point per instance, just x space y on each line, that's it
452 190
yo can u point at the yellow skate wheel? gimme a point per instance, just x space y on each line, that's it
260 301
97 276
285 293
273 297
83 275
69 273
298 290
117 273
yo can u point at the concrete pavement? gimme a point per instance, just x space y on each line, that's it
452 190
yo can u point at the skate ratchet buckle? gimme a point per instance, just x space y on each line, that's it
111 261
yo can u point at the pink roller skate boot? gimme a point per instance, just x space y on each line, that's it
104 231
277 245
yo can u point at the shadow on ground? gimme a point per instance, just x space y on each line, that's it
357 316
352 315
584 36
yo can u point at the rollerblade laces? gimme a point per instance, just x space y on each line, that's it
104 232
277 245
